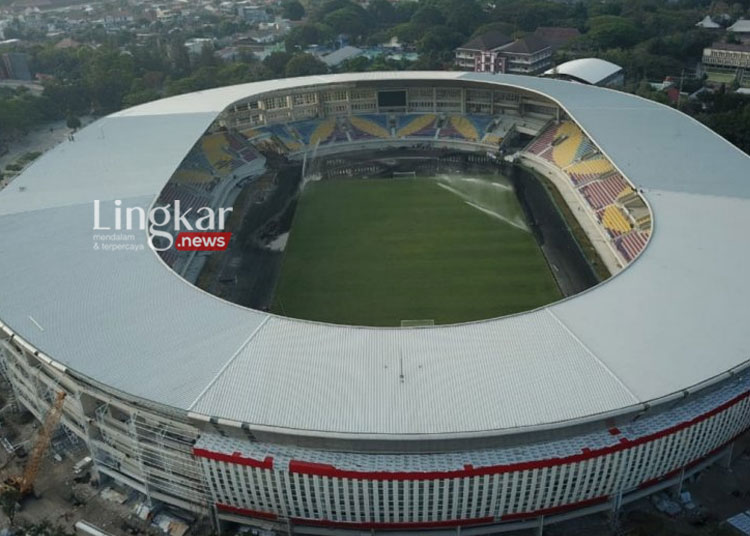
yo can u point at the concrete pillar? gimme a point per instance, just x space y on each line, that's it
540 526
614 513
215 519
728 457
678 487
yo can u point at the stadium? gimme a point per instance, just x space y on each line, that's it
500 418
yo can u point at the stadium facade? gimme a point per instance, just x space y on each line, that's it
576 407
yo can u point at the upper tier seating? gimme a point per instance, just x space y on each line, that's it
188 197
417 126
315 131
470 128
565 151
369 126
614 221
217 147
631 244
588 170
287 138
542 144
601 193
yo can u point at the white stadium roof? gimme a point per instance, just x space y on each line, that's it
674 318
589 70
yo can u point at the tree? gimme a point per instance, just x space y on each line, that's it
608 31
330 6
276 62
305 65
108 76
408 32
207 58
179 56
45 528
439 39
428 16
292 10
73 122
382 12
307 34
350 20
404 11
9 498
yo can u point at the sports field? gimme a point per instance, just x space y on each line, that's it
380 251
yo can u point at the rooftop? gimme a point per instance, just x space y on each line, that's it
741 26
487 41
589 70
669 322
529 44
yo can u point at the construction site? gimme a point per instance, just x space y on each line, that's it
47 471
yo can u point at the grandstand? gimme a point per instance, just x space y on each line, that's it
609 196
470 127
602 192
631 244
417 126
370 126
614 220
243 417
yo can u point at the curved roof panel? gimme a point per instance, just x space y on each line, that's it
674 318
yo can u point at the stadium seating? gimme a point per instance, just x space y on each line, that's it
189 197
492 139
417 126
601 193
616 204
542 145
586 150
460 127
215 148
565 151
251 133
190 175
369 126
480 123
631 244
588 170
285 136
614 220
318 131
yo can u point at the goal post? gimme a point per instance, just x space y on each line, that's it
404 174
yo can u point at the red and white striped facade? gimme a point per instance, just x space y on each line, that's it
422 491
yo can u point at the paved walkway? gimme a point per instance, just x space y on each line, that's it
582 212
40 139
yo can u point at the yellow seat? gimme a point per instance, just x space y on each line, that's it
465 127
323 131
213 147
597 166
369 127
416 125
564 152
614 220
191 175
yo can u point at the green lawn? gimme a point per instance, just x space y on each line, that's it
721 76
376 252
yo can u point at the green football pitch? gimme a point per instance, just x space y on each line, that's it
381 251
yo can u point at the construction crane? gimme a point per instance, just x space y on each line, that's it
25 482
